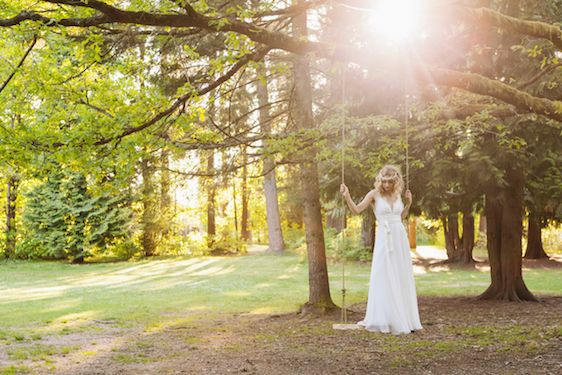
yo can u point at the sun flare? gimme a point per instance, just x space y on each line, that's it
395 20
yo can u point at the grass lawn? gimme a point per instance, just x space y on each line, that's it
46 295
41 300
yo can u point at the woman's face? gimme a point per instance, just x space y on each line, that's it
387 184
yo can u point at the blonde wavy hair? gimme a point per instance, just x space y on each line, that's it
393 173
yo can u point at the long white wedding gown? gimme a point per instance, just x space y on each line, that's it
392 305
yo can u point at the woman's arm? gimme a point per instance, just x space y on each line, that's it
407 204
357 208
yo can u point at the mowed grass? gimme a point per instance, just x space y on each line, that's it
45 296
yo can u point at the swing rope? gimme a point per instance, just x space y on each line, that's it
343 117
406 118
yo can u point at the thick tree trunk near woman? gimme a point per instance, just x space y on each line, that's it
504 214
535 248
319 299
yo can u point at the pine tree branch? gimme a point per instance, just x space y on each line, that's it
479 84
532 28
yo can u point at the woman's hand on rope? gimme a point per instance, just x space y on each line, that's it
344 190
408 197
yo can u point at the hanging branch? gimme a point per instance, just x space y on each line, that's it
20 64
539 75
256 56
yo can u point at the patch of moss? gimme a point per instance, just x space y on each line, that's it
128 358
38 352
15 370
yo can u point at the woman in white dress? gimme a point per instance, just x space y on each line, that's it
392 304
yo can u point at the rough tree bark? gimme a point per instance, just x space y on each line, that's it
319 288
504 213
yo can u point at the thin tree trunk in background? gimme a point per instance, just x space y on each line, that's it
412 223
336 222
319 288
452 239
467 240
245 231
274 231
165 198
148 220
211 198
504 235
235 211
535 249
11 205
482 224
368 229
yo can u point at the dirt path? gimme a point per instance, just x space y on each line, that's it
460 336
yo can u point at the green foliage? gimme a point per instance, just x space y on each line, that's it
349 247
64 220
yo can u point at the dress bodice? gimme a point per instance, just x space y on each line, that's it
385 210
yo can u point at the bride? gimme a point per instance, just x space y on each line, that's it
392 305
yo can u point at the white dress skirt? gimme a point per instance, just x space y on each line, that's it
392 305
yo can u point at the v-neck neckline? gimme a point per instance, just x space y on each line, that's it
391 205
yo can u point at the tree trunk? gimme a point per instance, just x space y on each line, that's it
211 199
452 239
504 241
368 229
482 224
275 234
12 196
319 288
336 222
165 200
148 221
245 233
467 240
412 232
535 248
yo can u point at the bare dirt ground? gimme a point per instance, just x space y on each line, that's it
460 336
